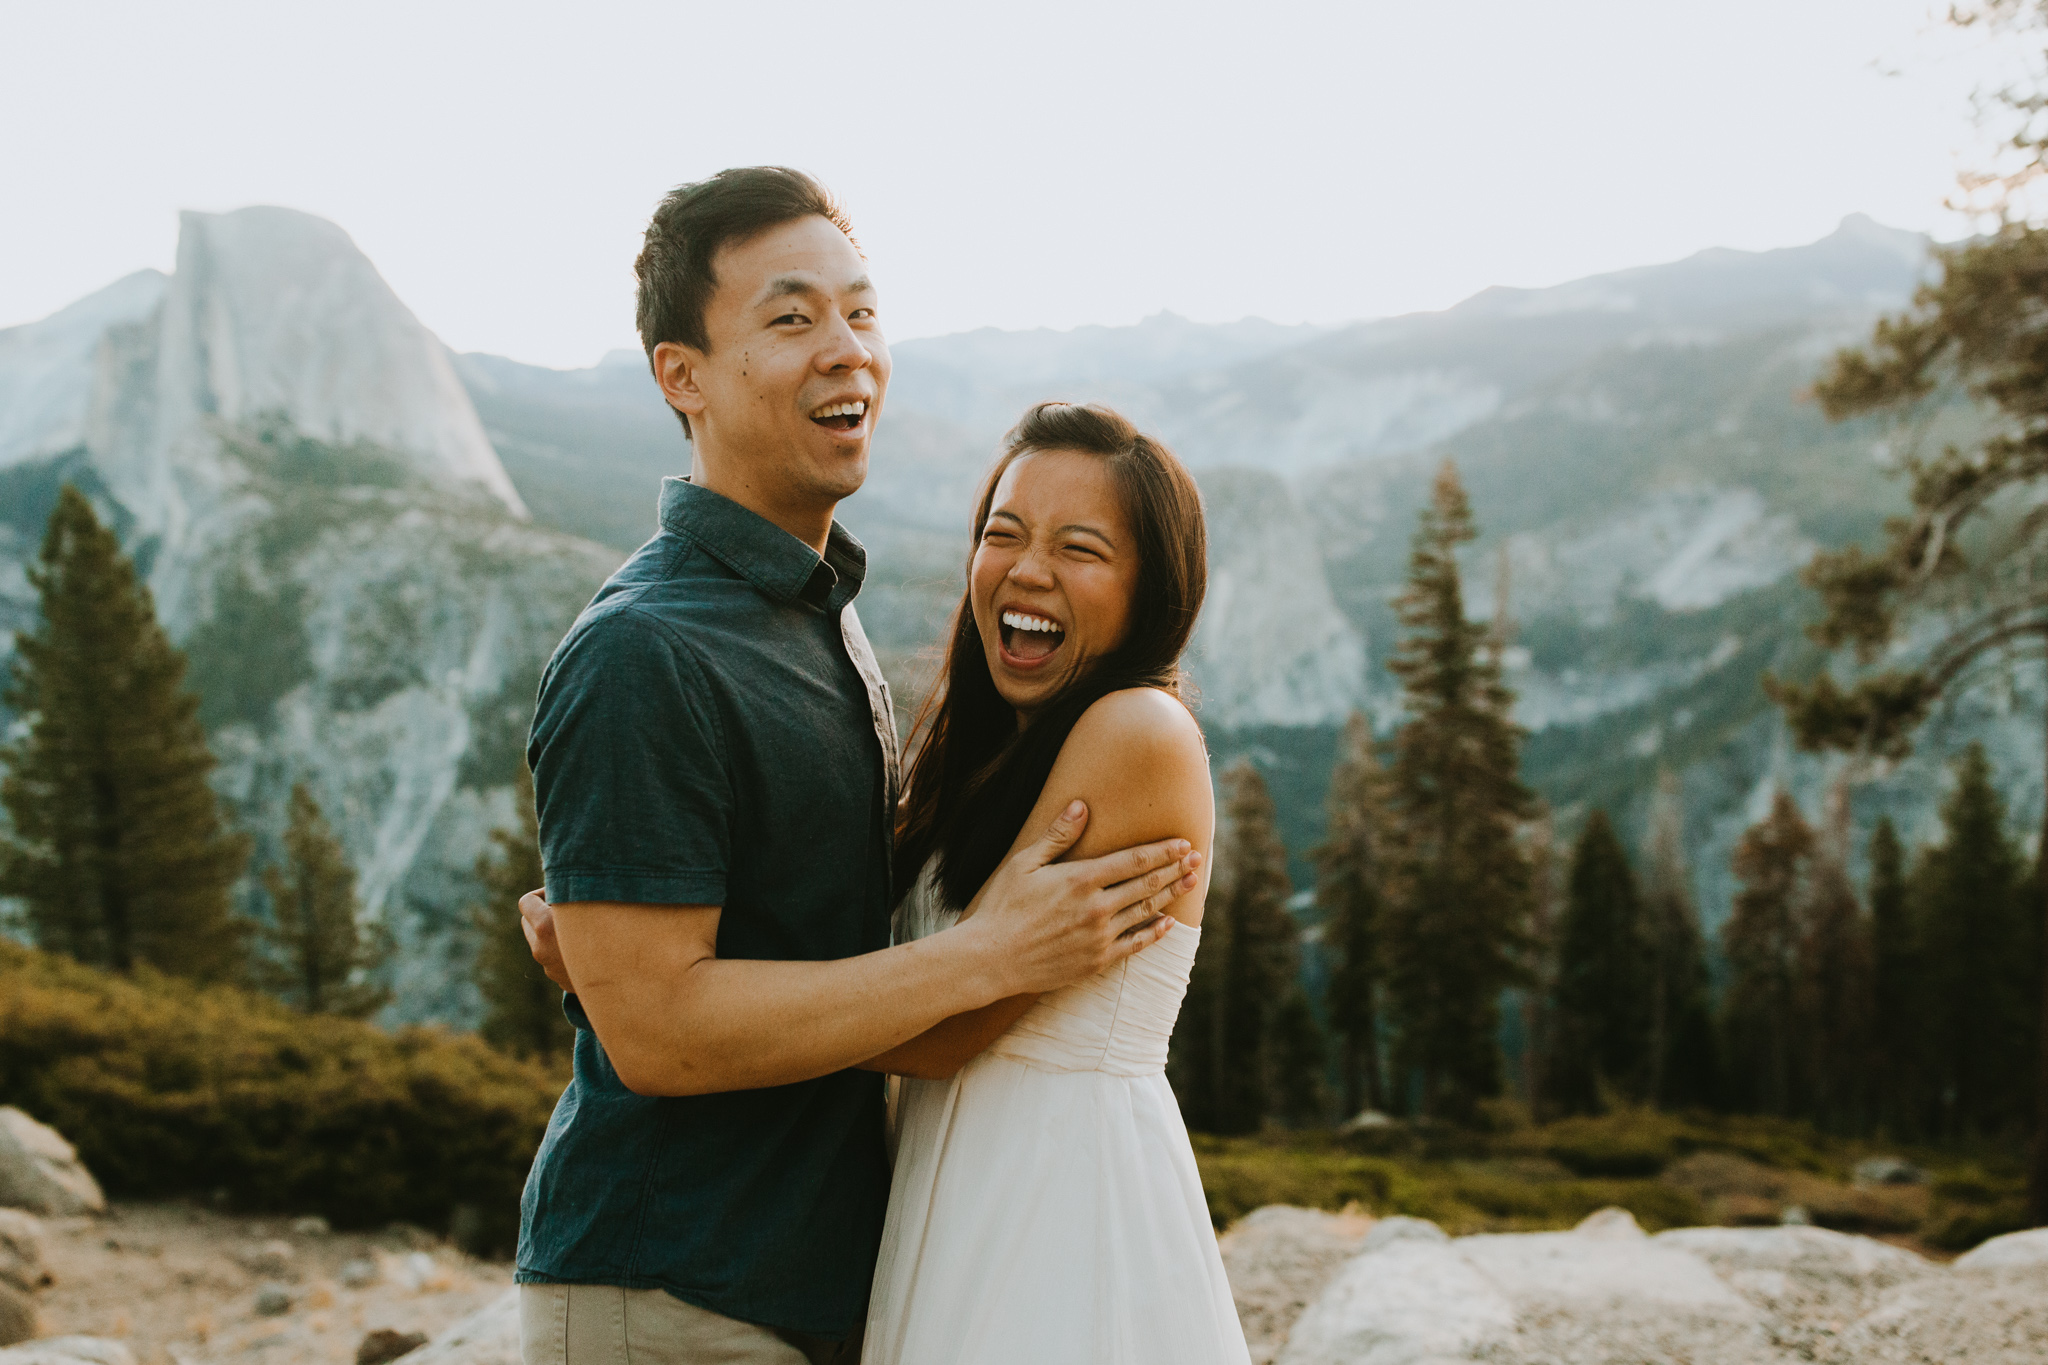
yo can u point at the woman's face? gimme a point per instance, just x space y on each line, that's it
1053 577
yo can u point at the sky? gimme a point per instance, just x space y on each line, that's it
1043 165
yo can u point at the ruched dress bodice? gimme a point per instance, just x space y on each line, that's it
1046 1205
1119 1021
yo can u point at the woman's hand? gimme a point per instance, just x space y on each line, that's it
537 922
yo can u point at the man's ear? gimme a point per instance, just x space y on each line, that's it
675 369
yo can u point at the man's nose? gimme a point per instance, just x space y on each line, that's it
843 350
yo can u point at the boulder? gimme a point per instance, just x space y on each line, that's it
2014 1250
1279 1258
41 1172
22 1262
489 1336
1411 1299
1992 1310
1402 1228
1887 1170
1607 1292
275 1259
384 1345
69 1351
1805 1282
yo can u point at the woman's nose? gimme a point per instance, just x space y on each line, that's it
1031 571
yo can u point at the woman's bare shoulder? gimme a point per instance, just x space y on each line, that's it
1138 721
1138 759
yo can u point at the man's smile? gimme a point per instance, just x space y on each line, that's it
841 415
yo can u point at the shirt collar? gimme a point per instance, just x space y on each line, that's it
774 561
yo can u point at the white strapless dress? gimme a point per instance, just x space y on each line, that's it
1046 1209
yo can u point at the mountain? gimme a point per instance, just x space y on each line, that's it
292 460
1646 472
369 546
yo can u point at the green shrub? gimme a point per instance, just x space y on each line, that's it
1511 1202
1959 1229
1970 1185
168 1089
1242 1174
1629 1143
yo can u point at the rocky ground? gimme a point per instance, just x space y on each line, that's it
181 1285
1320 1289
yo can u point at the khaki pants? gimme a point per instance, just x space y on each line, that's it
601 1324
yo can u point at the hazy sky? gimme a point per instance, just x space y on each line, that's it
1021 165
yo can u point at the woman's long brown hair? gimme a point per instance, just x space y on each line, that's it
976 775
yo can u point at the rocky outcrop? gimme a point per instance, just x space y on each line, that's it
1271 647
489 1336
69 1351
1607 1294
41 1172
1990 1305
327 529
1278 1259
24 1260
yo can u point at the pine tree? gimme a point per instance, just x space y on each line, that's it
1453 933
1299 1056
522 1008
117 847
1539 1018
1259 961
1605 975
1975 331
1348 875
1895 967
1974 962
1772 861
1835 987
318 952
1684 1053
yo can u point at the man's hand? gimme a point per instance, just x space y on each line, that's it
1048 924
537 921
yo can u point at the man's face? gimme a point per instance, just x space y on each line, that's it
786 398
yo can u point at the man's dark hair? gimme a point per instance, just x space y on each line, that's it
693 223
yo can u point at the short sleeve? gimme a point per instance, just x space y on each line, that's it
629 771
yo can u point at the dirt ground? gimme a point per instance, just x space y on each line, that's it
181 1284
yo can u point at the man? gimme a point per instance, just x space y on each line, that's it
714 761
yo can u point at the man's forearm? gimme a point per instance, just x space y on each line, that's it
703 1024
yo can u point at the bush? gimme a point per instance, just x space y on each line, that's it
1629 1143
169 1089
1242 1174
1961 1229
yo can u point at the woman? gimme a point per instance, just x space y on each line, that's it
1046 1207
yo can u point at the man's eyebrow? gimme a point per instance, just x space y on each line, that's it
783 286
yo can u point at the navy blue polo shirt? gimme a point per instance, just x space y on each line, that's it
714 730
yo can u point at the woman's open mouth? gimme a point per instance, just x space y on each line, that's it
842 416
1029 640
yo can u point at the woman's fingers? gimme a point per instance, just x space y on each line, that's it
1060 836
1143 937
1143 897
